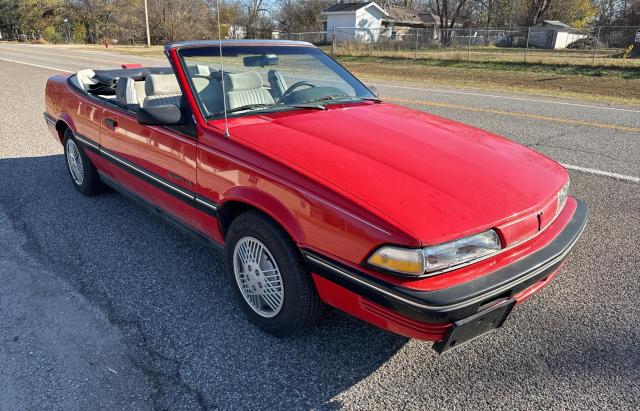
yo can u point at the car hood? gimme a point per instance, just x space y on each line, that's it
435 178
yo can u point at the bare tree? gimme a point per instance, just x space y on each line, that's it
537 9
301 15
254 10
448 11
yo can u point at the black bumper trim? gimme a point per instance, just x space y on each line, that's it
454 303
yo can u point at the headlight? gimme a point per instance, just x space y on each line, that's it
458 252
400 260
436 258
562 195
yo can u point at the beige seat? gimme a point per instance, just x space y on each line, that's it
140 93
161 89
200 70
130 92
85 78
245 88
210 93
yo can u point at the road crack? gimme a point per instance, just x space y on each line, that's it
160 370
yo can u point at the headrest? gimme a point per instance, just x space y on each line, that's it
161 84
242 81
85 77
125 91
203 70
86 73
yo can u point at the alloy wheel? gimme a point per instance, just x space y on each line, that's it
74 161
258 277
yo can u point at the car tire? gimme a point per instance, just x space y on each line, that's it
275 291
83 173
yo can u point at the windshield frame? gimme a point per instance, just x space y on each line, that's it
214 51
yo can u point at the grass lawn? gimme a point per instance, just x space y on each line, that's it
598 83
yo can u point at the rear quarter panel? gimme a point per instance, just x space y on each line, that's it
72 109
81 113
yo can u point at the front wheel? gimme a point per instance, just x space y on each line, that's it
268 276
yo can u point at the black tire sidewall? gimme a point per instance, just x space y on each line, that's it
298 286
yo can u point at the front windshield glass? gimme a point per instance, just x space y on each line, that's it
267 78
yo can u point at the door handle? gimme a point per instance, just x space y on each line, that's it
110 123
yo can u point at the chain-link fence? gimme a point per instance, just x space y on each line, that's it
605 45
319 38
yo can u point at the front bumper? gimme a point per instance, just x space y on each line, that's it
431 312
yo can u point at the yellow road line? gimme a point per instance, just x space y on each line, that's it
516 114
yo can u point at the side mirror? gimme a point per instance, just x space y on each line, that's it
165 115
374 90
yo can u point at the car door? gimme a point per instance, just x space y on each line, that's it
156 163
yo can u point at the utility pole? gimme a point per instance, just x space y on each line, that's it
66 21
146 22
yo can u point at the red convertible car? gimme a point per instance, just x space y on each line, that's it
319 192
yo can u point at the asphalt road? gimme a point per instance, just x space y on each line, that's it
103 305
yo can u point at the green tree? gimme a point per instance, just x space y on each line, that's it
9 18
51 35
78 33
36 15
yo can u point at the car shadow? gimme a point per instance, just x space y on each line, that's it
169 298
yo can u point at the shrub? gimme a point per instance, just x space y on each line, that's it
587 43
79 33
51 35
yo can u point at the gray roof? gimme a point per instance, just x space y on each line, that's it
429 17
403 15
399 14
554 23
346 7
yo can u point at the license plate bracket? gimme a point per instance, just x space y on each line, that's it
472 327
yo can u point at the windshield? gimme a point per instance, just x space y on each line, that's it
267 78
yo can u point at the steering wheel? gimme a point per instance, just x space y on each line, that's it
294 87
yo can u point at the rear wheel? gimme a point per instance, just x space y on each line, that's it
84 175
268 276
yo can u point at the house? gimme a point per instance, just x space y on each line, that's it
553 34
236 32
401 20
367 21
349 21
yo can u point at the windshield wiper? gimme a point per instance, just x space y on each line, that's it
305 105
248 107
374 99
342 97
242 108
325 98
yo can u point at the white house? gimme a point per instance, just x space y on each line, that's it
236 32
553 34
349 21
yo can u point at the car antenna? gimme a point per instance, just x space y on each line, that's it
224 94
